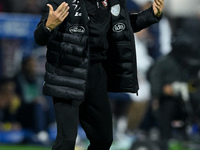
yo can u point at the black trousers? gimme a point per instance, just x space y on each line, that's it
94 115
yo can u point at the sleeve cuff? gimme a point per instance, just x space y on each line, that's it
41 34
45 28
158 18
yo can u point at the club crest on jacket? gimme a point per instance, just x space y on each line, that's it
115 10
105 3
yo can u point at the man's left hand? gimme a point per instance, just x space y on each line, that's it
158 6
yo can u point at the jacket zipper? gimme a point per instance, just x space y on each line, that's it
98 10
97 15
98 4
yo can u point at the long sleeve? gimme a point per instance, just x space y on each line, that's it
41 34
143 19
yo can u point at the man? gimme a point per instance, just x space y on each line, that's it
174 100
81 37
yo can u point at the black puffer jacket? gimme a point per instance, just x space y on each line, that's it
68 50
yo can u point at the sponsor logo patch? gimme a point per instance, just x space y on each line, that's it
119 27
115 10
77 29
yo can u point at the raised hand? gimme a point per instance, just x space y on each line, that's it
158 6
58 16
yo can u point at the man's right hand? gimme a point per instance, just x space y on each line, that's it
58 16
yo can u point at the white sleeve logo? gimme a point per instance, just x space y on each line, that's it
115 10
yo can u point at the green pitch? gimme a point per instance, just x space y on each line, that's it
31 147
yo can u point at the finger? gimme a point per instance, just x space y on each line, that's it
161 2
64 14
158 9
157 2
155 5
60 8
50 7
64 10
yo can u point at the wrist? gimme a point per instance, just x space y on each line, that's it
48 28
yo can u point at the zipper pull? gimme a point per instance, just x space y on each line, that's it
97 4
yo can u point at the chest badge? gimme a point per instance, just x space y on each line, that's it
105 3
115 10
119 27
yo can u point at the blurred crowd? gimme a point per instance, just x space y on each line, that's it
22 105
28 6
168 59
